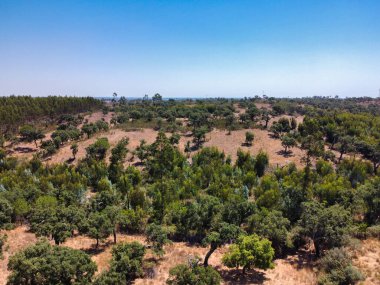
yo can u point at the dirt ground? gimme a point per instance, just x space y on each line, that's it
294 269
219 138
368 260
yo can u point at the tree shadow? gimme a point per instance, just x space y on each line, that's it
70 160
235 276
138 163
93 250
284 153
24 149
302 259
246 144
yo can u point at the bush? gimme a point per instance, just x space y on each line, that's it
338 268
194 274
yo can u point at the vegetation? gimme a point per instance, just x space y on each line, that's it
45 264
18 110
199 196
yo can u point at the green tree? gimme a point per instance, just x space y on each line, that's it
157 236
222 234
199 135
127 261
194 274
338 269
99 226
271 225
250 251
98 150
261 163
288 142
6 212
74 149
31 134
44 264
326 227
249 137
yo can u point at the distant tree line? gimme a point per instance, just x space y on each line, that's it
18 110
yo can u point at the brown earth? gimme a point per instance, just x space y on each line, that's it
367 259
294 269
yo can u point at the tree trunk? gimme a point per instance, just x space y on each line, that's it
340 157
114 235
97 243
212 249
35 142
375 167
245 267
317 249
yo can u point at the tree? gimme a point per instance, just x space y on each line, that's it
371 198
3 239
99 226
74 149
345 144
288 142
89 129
193 274
261 163
250 251
249 137
98 149
188 149
338 269
199 135
371 151
127 261
44 264
265 115
157 98
222 234
31 134
6 212
118 155
158 237
230 121
326 227
271 225
293 123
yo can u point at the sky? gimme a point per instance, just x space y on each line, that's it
190 48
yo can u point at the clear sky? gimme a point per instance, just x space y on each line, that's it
190 48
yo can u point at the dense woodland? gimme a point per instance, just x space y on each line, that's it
260 211
18 110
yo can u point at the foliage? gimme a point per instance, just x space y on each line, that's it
43 263
338 268
193 273
250 251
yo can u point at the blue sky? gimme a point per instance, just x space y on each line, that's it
190 48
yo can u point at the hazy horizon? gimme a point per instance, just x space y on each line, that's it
190 48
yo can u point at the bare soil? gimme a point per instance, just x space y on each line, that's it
294 269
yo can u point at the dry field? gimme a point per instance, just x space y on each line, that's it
367 258
218 138
294 269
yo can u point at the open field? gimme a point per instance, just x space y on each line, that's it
294 269
218 138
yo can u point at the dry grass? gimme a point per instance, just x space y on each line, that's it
219 138
18 239
292 270
367 259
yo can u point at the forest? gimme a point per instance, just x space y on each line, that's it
138 197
